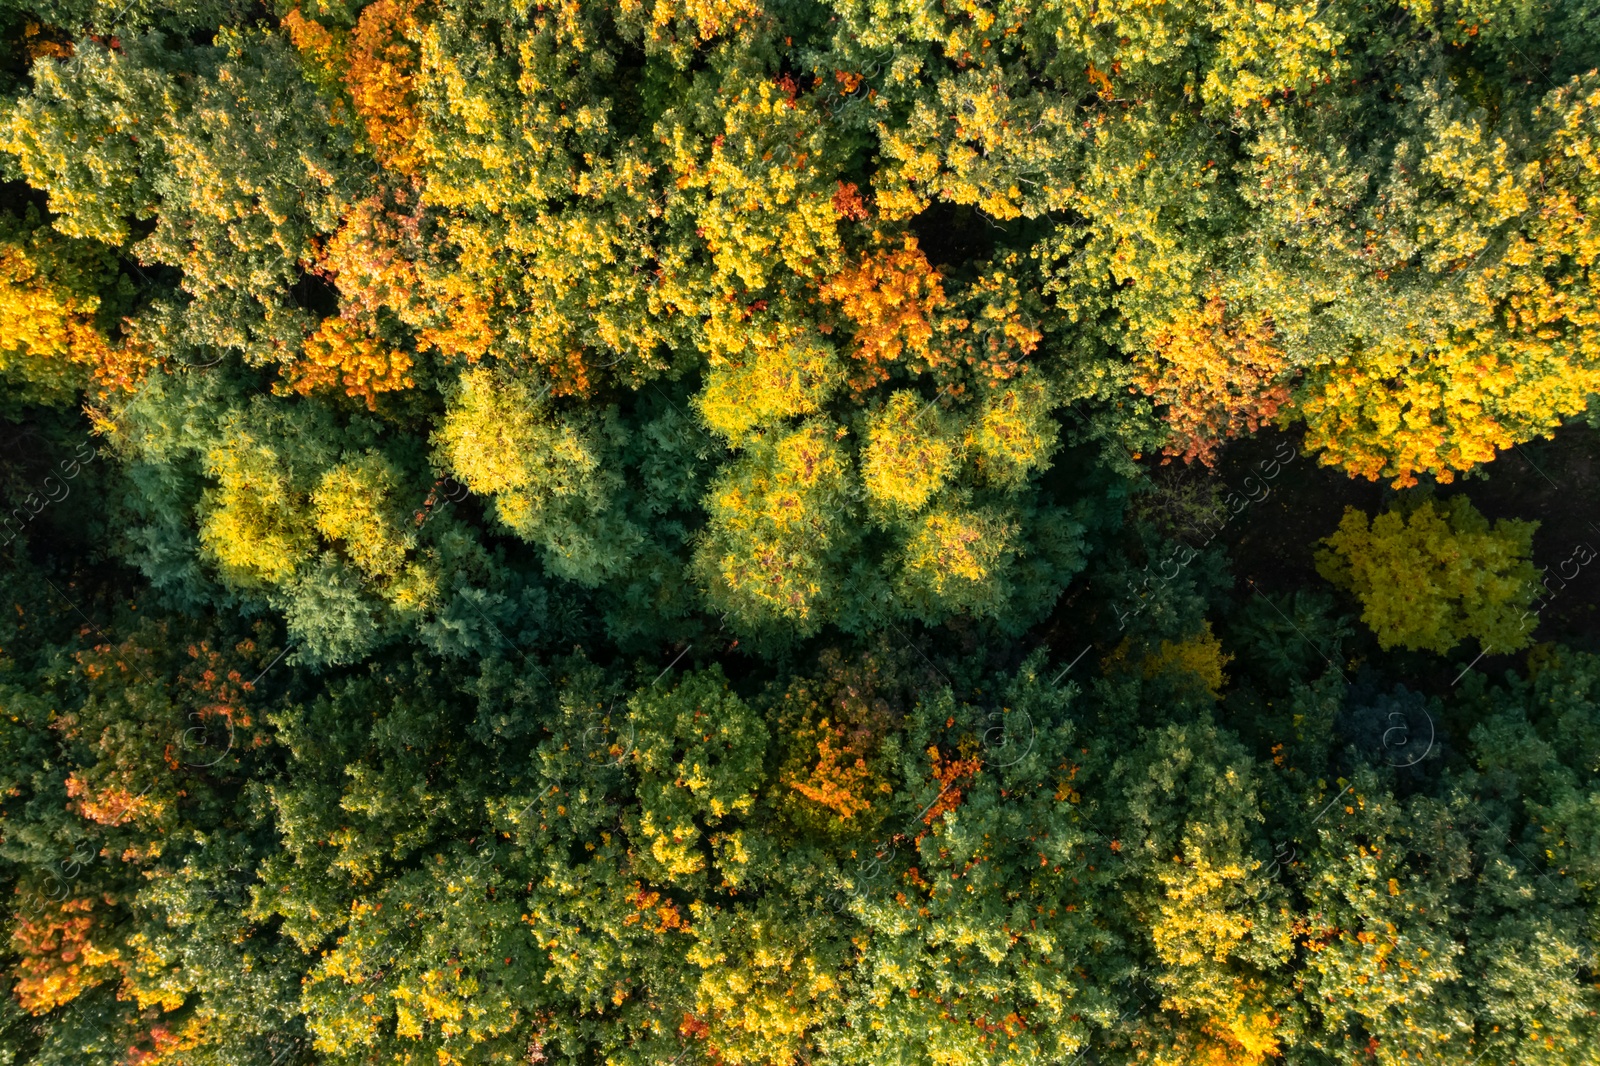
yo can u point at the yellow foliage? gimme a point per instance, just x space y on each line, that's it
43 325
960 143
1406 410
47 311
1267 50
1431 578
1235 1030
676 846
1014 434
500 440
461 328
253 523
783 371
909 456
1201 918
954 560
355 505
1508 349
1201 656
762 201
775 514
762 990
705 18
1206 917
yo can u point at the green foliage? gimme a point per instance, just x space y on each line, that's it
1292 638
1428 580
587 503
698 757
544 472
73 136
460 859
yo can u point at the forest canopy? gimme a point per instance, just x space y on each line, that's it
799 533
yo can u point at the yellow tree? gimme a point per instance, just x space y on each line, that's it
1430 578
255 523
50 304
779 524
1478 293
543 470
911 453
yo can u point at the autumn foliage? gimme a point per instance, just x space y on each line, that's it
342 354
889 297
1218 379
647 533
59 957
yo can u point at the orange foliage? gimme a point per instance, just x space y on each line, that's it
647 903
105 792
465 331
167 1045
373 260
123 366
40 42
947 772
340 352
889 297
120 663
112 805
221 721
848 204
377 65
58 959
371 257
380 76
312 40
221 686
835 782
846 738
569 376
1100 78
1218 379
